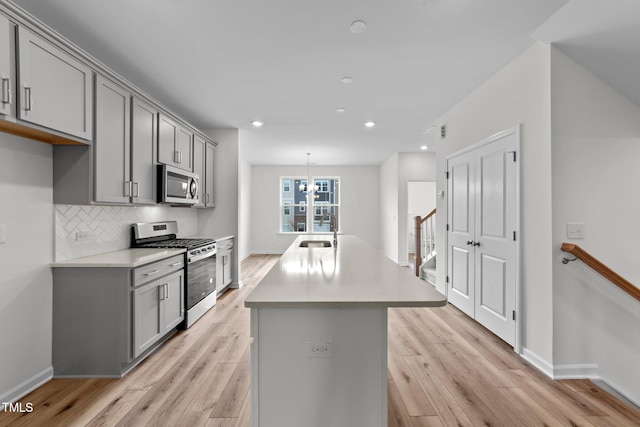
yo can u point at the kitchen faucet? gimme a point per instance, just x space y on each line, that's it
332 221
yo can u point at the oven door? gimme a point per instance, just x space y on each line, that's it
201 280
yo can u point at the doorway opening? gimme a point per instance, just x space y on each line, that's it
421 199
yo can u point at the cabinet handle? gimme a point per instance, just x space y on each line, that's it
175 264
27 99
206 199
180 157
136 186
151 273
166 290
127 189
6 91
176 157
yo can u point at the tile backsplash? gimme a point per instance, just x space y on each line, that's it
89 230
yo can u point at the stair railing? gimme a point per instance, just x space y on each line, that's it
598 266
425 238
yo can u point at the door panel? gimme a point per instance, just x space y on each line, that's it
461 223
493 284
483 220
496 221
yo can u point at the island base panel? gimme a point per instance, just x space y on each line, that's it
294 386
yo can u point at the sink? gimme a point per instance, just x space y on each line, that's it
315 244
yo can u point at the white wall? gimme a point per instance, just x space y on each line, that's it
223 220
517 95
359 204
411 167
26 191
596 152
245 208
389 207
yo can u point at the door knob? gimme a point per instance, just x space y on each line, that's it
469 242
476 244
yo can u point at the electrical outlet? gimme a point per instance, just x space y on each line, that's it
82 236
319 349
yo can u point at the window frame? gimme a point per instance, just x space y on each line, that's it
306 206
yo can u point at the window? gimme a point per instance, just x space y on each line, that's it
322 200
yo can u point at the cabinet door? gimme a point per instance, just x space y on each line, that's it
6 67
112 143
209 180
144 137
167 136
172 296
199 160
55 88
147 317
184 147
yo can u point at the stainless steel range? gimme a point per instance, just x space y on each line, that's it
200 274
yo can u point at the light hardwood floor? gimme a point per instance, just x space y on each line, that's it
444 370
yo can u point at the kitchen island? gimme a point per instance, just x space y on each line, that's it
319 329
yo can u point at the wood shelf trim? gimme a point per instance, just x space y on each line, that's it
36 134
601 268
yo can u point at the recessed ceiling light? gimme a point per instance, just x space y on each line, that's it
358 26
346 80
424 147
257 123
370 124
340 110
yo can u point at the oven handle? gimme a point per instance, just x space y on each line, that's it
200 257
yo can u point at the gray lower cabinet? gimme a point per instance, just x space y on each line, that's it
158 307
108 319
54 87
175 144
224 264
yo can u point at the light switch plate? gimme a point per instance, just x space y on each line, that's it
575 230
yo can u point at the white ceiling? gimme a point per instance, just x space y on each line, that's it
225 63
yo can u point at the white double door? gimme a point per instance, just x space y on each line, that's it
482 239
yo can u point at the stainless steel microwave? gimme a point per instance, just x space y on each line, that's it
177 186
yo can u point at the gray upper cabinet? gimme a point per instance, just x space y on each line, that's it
6 67
199 167
55 88
203 158
175 144
112 143
209 201
144 138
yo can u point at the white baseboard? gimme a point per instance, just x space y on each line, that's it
28 386
577 371
538 362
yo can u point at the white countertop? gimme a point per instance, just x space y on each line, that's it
352 275
124 258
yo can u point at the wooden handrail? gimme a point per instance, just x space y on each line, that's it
598 266
418 222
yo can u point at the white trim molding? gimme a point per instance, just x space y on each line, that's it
28 386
